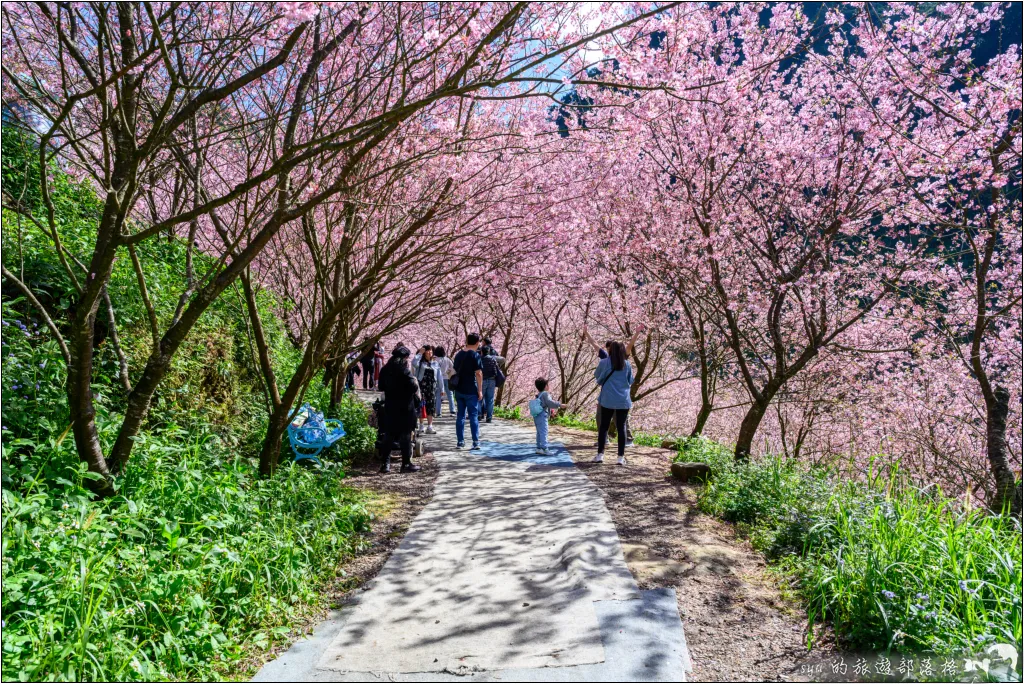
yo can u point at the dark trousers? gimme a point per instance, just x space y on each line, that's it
368 375
620 425
404 445
613 431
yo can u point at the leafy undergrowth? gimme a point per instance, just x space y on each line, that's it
889 565
196 564
193 565
575 420
508 413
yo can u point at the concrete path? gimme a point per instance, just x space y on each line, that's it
513 572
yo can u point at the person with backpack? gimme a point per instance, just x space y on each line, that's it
539 407
614 375
493 378
366 361
468 382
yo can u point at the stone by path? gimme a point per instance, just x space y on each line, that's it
513 572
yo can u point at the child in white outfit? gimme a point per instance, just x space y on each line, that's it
539 410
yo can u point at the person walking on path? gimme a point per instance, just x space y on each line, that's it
428 375
468 382
490 375
366 361
447 370
614 375
398 418
539 408
353 370
602 353
378 362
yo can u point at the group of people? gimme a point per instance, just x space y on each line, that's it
417 385
369 366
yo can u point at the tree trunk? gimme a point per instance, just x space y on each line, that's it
748 428
705 386
262 348
81 348
1007 496
702 418
271 450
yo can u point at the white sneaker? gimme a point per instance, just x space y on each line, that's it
630 443
431 430
599 458
542 452
621 461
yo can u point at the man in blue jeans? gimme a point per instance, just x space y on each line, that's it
468 390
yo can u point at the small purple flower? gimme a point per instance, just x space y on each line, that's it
42 364
921 597
931 615
888 595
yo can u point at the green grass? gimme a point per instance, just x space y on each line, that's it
575 420
889 565
508 413
195 564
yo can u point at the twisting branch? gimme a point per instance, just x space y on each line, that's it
42 312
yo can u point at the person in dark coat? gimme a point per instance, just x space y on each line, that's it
401 400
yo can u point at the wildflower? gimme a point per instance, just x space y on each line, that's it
931 615
921 597
888 595
917 607
963 585
65 506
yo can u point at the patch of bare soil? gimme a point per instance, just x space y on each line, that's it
738 624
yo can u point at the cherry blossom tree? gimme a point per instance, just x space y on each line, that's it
124 92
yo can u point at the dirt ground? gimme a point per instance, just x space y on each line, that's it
738 625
